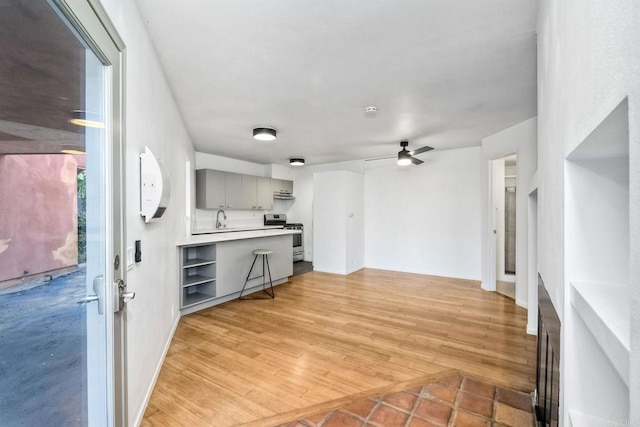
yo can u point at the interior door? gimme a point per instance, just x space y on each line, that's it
62 348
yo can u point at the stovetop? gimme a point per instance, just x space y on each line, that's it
279 219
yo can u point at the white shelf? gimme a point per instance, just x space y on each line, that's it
195 298
605 310
197 279
196 262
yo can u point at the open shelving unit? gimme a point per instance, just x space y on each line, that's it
198 274
597 248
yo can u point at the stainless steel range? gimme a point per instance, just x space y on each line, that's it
298 239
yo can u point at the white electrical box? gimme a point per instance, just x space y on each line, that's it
155 188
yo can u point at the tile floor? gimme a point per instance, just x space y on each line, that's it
455 401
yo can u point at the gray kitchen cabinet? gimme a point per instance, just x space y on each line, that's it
210 189
264 199
282 186
227 190
234 258
233 186
249 192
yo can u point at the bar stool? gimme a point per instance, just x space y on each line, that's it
265 257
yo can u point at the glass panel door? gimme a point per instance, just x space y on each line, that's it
57 227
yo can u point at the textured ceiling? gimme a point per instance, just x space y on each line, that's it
41 79
444 73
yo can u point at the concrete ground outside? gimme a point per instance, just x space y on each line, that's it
43 353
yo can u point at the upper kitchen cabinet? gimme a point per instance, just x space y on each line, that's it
264 198
249 191
282 187
226 190
233 189
218 190
256 192
210 189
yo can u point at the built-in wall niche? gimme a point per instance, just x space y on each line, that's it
597 270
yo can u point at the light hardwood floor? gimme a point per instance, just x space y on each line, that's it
328 339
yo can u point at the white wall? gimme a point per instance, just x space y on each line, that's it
425 219
521 140
302 210
588 62
338 229
152 119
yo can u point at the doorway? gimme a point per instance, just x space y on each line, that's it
504 180
61 333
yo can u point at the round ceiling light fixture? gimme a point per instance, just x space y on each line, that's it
296 162
264 134
370 109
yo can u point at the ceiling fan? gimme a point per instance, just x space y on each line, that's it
405 156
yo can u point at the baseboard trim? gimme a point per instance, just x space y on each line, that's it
490 287
521 303
156 374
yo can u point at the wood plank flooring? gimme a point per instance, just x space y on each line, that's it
328 339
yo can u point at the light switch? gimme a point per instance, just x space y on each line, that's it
130 257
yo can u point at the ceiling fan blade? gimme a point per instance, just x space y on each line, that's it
416 161
421 150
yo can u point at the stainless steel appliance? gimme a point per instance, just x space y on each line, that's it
298 239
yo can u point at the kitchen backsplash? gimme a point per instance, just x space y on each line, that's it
205 220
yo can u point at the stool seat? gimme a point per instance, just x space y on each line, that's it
262 251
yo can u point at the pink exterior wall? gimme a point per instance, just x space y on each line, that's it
38 214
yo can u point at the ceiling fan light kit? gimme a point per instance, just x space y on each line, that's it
405 157
264 134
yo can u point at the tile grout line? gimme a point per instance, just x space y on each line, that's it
376 406
415 406
454 405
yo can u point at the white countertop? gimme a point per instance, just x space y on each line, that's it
238 234
236 229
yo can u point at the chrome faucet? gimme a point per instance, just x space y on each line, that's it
224 216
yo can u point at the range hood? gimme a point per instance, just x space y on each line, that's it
283 195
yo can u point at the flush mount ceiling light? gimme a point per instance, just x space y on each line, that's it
264 134
370 109
82 118
296 162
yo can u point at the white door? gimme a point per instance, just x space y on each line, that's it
62 348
